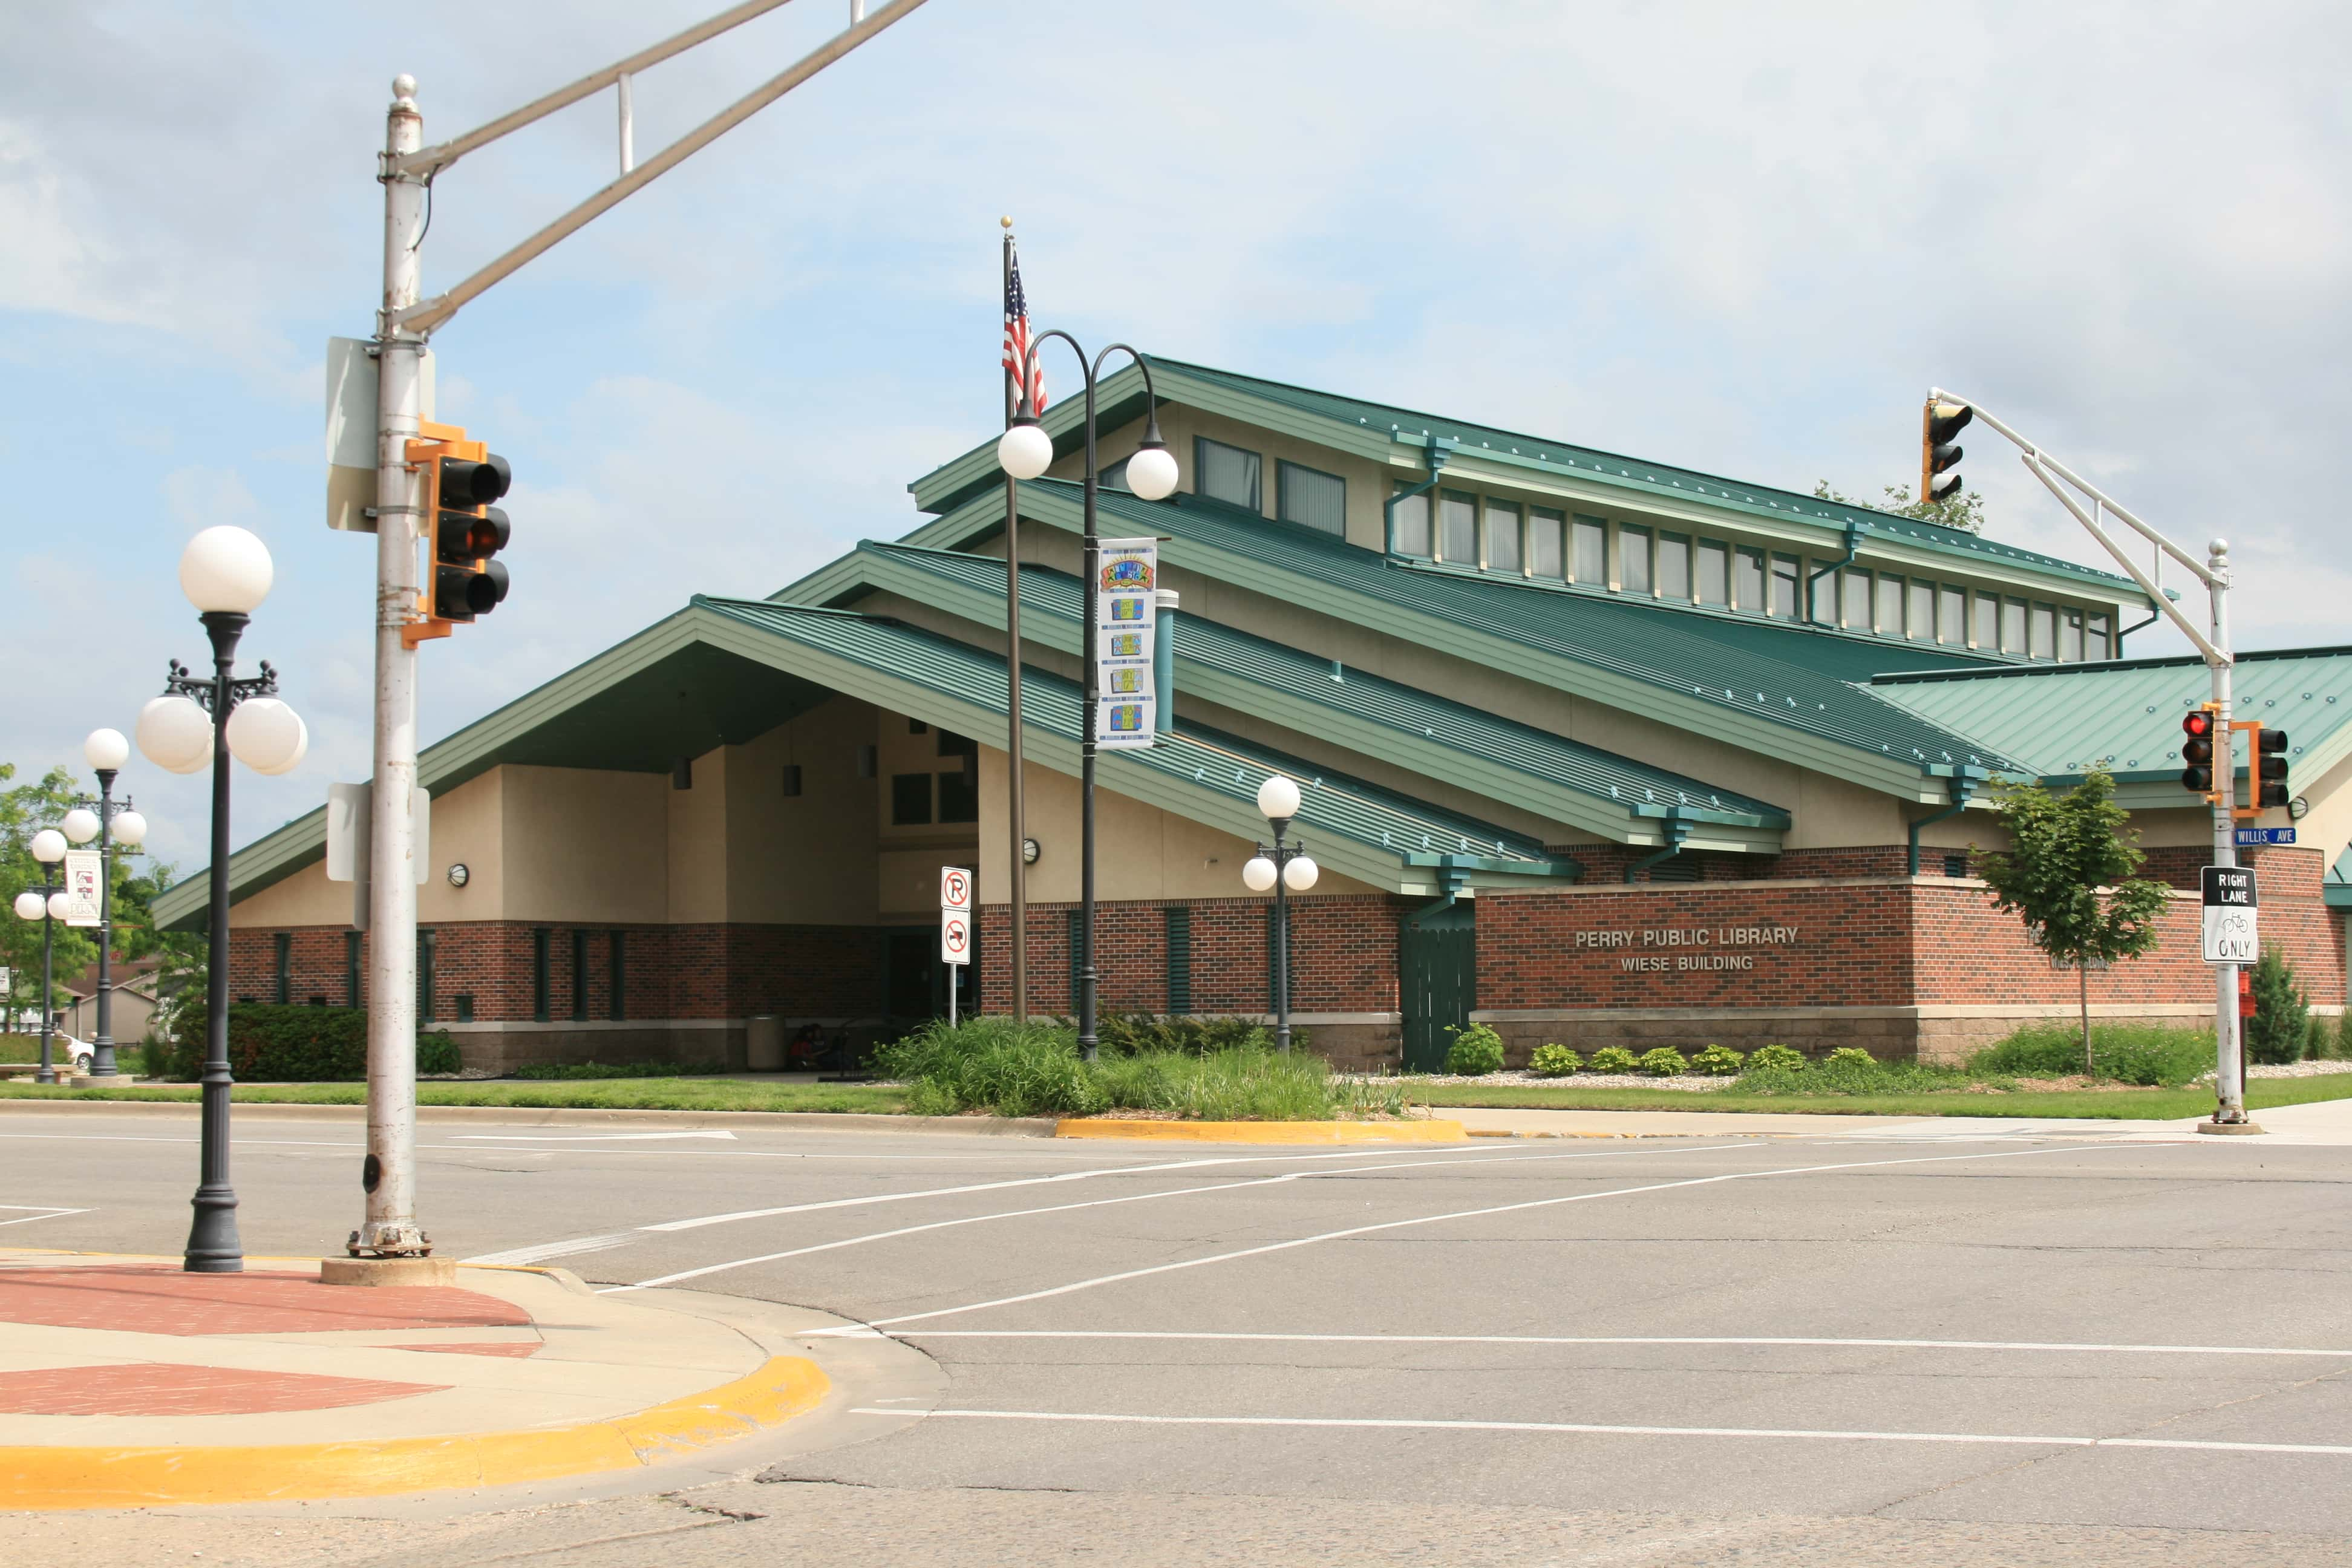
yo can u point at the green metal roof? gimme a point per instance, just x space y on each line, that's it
2336 891
1500 758
1377 429
1197 766
2125 717
1773 687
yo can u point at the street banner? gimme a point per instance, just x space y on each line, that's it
85 872
1126 600
2230 935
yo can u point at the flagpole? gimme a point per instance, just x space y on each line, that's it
1014 771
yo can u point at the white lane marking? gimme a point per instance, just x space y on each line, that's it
590 1137
1455 1213
547 1250
32 1213
1376 1422
1152 1169
1129 1198
359 1143
2057 1345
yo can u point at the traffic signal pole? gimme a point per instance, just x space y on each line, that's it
2212 641
404 321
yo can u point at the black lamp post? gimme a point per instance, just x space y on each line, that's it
1287 869
34 904
226 571
1024 452
113 822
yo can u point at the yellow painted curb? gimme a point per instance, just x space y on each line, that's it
1262 1131
61 1477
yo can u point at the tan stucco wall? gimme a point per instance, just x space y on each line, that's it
465 827
807 860
581 844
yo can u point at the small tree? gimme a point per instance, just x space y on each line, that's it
2067 874
2281 1026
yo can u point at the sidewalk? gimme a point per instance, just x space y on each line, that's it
126 1383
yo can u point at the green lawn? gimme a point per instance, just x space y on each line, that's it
2123 1104
591 1094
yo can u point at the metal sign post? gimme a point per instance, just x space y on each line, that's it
955 929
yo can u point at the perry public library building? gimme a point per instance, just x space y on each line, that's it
1593 748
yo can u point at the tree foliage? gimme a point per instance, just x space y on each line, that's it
2280 1029
2068 875
1964 510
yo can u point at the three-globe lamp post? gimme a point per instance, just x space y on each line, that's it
1286 868
46 904
226 573
1026 452
113 824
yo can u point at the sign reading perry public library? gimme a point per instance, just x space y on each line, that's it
2231 936
955 914
1672 949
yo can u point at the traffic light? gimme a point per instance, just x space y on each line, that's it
1938 457
463 533
2197 750
2270 768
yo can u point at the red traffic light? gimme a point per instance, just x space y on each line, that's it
2197 750
2198 723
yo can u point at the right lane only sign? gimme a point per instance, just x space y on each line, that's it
2230 935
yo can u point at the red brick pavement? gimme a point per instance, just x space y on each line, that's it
151 1388
156 1298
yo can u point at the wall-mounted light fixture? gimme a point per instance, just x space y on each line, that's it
792 781
869 762
1028 852
681 774
459 875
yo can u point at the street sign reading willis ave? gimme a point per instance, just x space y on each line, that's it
2231 936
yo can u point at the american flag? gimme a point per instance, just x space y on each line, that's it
1016 330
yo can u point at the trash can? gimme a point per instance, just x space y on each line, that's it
763 1049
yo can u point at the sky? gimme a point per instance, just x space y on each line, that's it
1745 239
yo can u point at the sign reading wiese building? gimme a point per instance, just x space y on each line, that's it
1669 949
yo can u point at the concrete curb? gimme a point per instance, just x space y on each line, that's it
559 1116
1261 1131
63 1478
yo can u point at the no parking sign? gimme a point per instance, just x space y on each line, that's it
955 914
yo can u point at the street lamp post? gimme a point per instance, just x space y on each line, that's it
114 822
1024 452
226 573
1287 869
44 904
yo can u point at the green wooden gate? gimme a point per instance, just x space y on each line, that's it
1438 975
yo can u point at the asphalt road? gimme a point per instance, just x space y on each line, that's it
1864 1349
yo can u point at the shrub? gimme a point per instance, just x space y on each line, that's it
1615 1059
1841 1074
1130 1034
2164 1056
1554 1061
273 1043
2282 1017
1718 1061
563 1070
992 1063
2317 1040
1476 1051
1775 1059
1848 1056
1665 1061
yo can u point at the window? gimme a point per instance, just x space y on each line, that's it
1987 621
1889 606
1714 573
1920 619
579 976
1311 498
1784 586
2070 637
958 797
351 969
464 1003
1674 566
1113 477
1412 524
1633 559
954 746
1227 473
542 997
910 800
2095 639
2012 625
1591 560
428 947
916 727
1545 557
1748 580
616 954
1179 958
1502 537
1951 615
2044 624
1956 865
1825 599
285 945
1457 528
